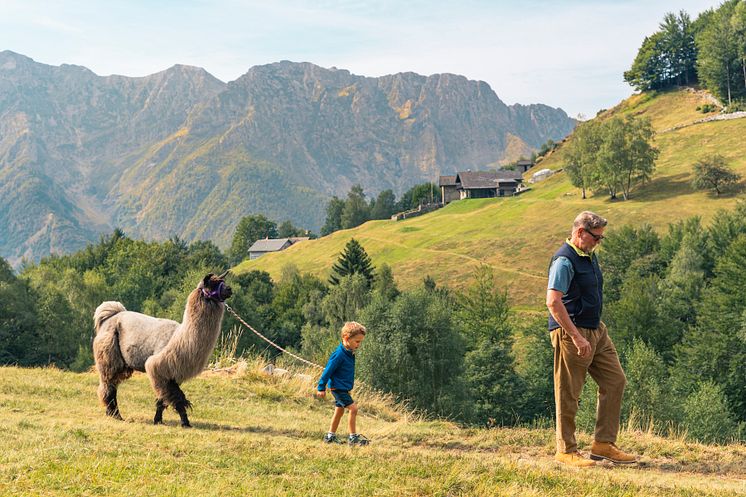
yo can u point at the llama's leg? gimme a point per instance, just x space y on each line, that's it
110 400
160 406
180 402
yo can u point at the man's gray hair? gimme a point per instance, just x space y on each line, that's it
588 221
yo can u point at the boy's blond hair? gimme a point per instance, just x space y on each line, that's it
352 329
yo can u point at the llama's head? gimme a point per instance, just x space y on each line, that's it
214 287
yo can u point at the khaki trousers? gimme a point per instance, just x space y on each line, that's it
569 377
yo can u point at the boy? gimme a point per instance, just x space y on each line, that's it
340 375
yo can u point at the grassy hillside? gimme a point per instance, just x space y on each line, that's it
256 435
516 236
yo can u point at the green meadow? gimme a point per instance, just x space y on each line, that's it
258 435
516 236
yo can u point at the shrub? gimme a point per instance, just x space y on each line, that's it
706 415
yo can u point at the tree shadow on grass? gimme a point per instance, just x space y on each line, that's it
663 188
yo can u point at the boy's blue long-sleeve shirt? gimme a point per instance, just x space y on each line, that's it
339 372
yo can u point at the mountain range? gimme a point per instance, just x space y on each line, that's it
181 153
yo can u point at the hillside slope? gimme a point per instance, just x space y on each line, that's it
255 435
516 236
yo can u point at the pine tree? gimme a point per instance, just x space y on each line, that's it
353 260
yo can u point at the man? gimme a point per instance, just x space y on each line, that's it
582 345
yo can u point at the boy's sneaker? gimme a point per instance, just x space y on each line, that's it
331 438
358 439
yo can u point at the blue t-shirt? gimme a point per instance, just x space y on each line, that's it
561 274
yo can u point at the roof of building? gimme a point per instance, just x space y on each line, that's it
487 179
447 181
524 162
270 245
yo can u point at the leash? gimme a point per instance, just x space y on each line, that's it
313 364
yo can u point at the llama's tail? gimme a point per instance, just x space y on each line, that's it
111 366
104 312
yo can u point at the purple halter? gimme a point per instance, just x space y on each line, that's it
214 294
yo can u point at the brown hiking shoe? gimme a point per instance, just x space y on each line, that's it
573 459
608 450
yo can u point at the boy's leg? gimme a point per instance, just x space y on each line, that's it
353 415
338 412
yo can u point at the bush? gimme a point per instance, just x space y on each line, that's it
707 108
706 415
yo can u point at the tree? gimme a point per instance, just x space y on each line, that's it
714 174
647 399
718 60
495 387
384 206
712 349
384 285
738 22
647 71
18 319
249 230
622 247
706 415
345 300
625 154
414 351
356 211
287 230
423 193
333 220
581 155
353 260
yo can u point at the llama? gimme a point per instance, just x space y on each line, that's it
169 352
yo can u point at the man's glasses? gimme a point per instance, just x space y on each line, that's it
596 237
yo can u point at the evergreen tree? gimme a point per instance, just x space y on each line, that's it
495 387
356 211
385 286
333 220
353 260
384 206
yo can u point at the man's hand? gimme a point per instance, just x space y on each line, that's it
322 393
583 345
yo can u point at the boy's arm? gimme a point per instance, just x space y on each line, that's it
331 366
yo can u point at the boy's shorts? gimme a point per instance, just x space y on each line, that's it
342 398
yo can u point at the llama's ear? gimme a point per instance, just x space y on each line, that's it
206 280
226 273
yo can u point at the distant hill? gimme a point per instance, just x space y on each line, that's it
517 235
182 153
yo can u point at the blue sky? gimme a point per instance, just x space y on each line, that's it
564 53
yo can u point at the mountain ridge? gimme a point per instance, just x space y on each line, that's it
180 152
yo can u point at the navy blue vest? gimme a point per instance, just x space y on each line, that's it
584 299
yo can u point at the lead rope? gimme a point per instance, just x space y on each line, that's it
228 308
